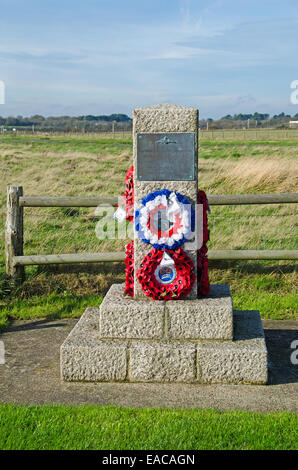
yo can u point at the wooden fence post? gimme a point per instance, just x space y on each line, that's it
14 234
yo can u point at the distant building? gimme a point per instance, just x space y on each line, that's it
293 124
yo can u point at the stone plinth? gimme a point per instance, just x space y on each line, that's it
204 318
209 317
162 361
123 317
243 360
83 357
146 341
140 340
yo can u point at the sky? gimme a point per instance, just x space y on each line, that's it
109 56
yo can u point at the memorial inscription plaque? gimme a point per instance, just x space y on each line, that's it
166 157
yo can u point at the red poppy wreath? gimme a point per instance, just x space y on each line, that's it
129 257
125 209
166 276
202 258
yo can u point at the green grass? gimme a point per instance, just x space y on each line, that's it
251 134
54 305
270 304
269 288
247 143
94 427
59 144
52 295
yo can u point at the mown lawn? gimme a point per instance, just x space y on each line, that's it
94 427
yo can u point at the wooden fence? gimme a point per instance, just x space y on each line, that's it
16 201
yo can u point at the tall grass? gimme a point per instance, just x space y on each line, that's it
257 174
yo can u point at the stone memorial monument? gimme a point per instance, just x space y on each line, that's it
166 324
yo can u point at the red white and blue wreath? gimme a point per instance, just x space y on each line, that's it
165 220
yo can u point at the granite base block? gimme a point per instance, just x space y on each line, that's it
243 360
122 316
162 361
85 356
204 318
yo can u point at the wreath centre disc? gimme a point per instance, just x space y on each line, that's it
166 273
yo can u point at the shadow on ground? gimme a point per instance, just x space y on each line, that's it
278 341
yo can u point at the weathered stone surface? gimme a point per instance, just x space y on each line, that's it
204 318
83 357
165 118
243 360
162 119
124 317
186 188
162 361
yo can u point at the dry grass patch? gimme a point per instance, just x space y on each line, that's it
249 174
261 174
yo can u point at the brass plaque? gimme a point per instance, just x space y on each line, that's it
166 157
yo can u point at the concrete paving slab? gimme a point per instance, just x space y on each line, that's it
31 375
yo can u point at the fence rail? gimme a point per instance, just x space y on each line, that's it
77 258
213 199
16 201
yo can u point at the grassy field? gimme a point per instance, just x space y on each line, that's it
250 134
93 427
90 165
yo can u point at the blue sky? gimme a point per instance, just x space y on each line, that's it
101 57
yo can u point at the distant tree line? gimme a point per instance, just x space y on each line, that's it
122 122
86 123
248 121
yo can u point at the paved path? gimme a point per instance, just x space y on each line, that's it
31 375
